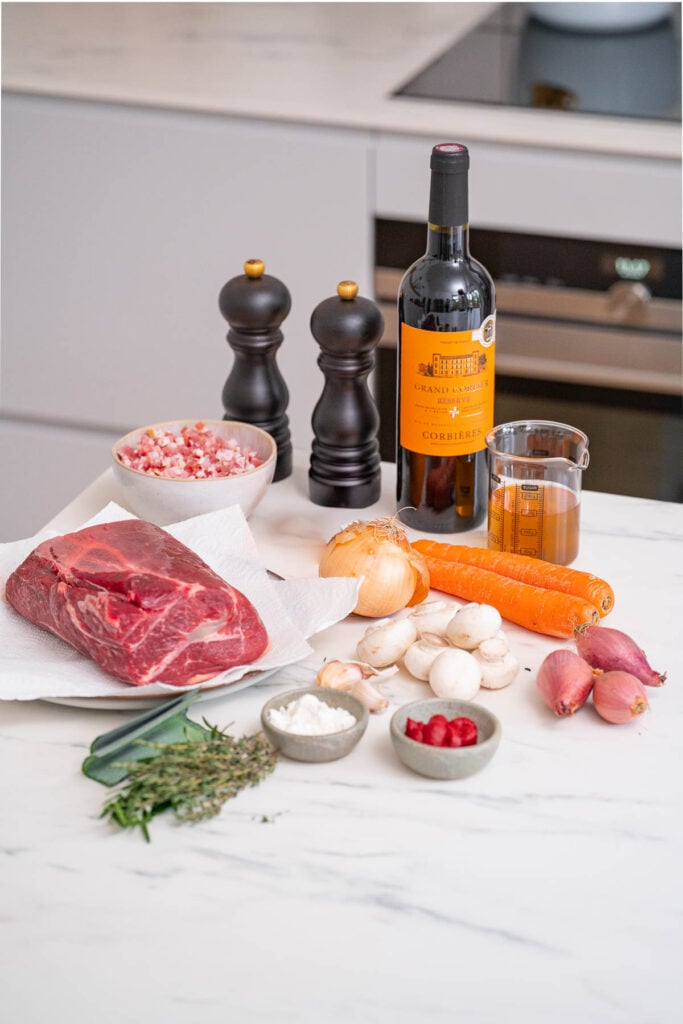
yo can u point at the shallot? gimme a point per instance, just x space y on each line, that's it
619 697
564 681
610 650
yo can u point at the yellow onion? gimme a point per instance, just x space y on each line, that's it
394 575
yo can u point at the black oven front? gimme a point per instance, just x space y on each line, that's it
588 333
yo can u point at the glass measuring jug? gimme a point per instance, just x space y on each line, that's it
535 469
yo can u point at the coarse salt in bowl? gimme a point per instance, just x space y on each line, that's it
171 471
311 745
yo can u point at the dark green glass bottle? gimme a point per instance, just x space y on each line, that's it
446 345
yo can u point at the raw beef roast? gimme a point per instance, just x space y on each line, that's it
139 603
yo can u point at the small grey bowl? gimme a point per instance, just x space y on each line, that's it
328 747
445 762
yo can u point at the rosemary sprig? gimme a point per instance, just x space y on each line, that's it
192 779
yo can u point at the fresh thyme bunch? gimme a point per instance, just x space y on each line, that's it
193 779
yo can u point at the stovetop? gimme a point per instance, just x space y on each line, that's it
512 59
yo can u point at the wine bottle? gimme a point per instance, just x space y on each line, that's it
446 346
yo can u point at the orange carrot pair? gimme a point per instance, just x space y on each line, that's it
527 570
551 612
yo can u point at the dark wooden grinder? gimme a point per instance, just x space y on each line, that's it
255 304
345 468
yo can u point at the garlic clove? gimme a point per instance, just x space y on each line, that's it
473 624
420 656
354 677
386 644
341 675
369 695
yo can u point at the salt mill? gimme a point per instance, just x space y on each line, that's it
255 304
345 467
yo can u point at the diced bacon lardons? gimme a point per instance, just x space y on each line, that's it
196 453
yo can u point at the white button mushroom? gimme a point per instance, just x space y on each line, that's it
496 672
455 673
495 648
385 642
433 617
473 624
420 655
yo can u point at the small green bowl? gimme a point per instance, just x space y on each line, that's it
445 762
328 747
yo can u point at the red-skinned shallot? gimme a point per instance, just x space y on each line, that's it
619 697
564 681
611 650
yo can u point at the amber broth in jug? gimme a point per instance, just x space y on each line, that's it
538 519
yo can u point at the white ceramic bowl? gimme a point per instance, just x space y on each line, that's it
162 501
601 17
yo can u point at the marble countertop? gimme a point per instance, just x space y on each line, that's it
330 64
545 888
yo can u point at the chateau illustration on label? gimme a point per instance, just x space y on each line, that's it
464 365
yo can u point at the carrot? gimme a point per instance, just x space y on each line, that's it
537 608
527 570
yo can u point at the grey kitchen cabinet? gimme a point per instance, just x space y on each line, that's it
44 466
557 193
119 227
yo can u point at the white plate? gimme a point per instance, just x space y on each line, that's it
208 691
300 673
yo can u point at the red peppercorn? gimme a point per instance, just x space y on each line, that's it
439 732
414 729
466 730
452 738
435 731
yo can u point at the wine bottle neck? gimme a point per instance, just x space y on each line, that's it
448 243
448 236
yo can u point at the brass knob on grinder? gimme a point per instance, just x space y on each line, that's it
254 268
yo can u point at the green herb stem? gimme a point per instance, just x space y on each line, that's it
193 779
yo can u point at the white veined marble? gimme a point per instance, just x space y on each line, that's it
336 64
545 889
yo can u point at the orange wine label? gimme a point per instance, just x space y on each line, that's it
447 386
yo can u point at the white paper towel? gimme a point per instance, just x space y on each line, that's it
34 664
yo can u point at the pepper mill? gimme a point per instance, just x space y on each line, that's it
345 467
255 304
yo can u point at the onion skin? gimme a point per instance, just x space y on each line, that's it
564 681
394 575
611 650
619 697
